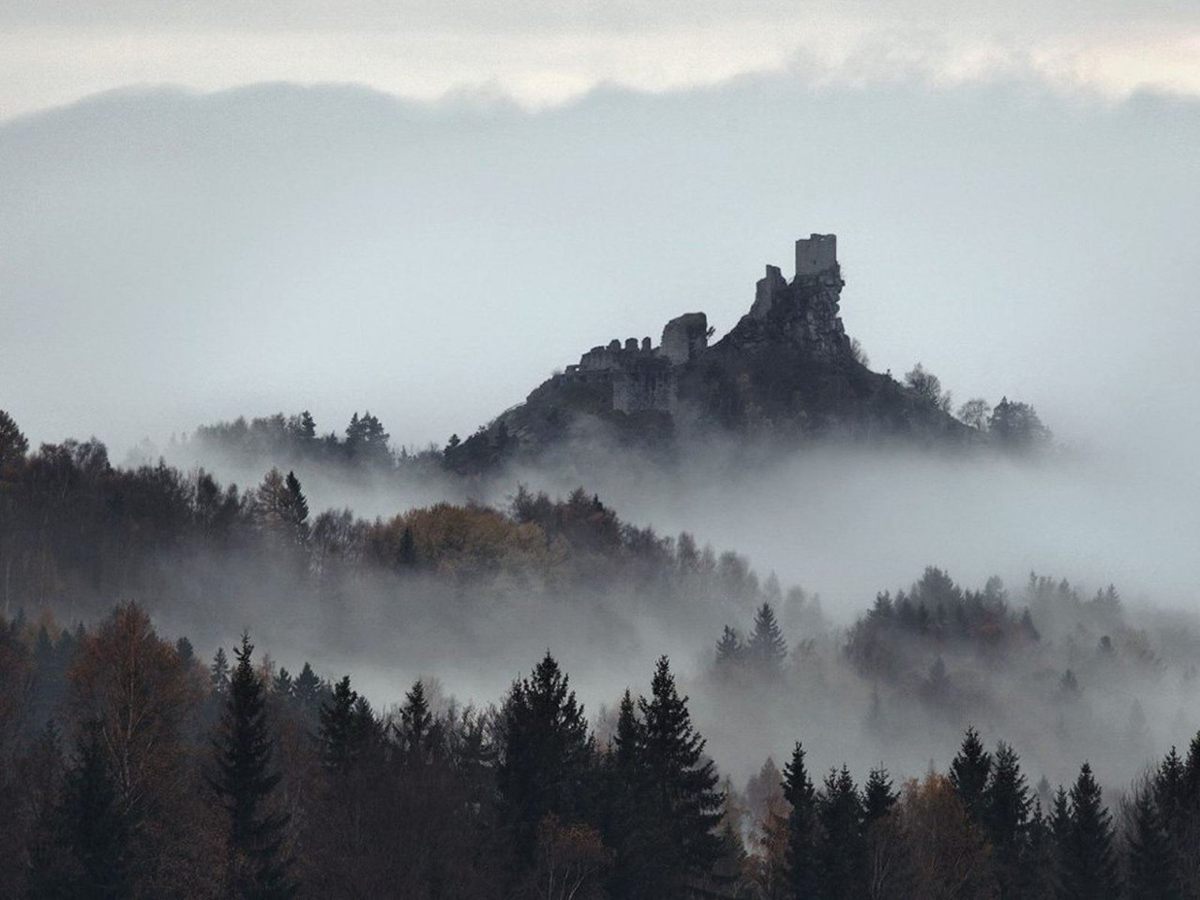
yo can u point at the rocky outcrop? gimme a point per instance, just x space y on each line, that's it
786 368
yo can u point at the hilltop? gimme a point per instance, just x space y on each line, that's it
786 371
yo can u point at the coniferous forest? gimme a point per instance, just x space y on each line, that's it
132 765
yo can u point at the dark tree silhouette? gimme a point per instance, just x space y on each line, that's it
766 650
969 772
244 783
801 857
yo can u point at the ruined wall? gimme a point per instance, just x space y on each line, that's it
684 338
644 387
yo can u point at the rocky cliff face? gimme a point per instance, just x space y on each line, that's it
786 370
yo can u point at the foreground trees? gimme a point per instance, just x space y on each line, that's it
158 777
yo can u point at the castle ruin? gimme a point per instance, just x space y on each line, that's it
803 313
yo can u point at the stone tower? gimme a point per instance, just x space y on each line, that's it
816 254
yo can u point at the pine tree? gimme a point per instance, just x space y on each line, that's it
680 784
244 783
627 812
1006 806
1089 862
546 755
766 650
969 773
801 857
1152 865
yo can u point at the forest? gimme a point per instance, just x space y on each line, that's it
130 768
135 765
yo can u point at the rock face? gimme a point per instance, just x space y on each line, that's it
803 314
786 369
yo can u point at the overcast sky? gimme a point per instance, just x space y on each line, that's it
548 51
209 210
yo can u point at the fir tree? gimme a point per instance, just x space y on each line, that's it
969 773
681 787
840 813
766 650
244 783
801 856
1152 865
1089 862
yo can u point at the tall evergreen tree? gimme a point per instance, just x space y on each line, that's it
244 782
347 727
730 651
681 787
1152 865
546 756
969 772
218 672
294 506
801 857
840 813
1006 817
879 796
416 726
766 650
1089 861
90 831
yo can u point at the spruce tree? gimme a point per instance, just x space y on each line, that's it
969 772
730 652
90 834
547 753
766 650
294 507
416 726
878 795
347 727
840 813
1006 816
1089 861
218 672
801 856
244 783
306 690
681 787
1152 867
628 815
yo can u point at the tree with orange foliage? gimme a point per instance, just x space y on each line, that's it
949 856
135 691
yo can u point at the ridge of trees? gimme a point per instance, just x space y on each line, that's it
156 775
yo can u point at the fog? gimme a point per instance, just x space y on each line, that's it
170 259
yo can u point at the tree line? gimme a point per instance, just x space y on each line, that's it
131 769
